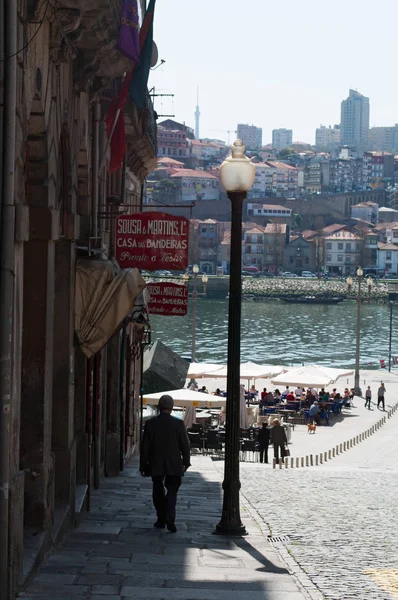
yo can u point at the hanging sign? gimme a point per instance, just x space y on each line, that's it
167 298
152 241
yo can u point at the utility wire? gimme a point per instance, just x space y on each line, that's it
32 38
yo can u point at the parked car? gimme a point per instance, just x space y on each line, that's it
288 274
267 274
307 274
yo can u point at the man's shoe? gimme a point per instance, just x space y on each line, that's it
159 524
170 526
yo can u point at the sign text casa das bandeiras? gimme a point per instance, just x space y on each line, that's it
152 241
167 298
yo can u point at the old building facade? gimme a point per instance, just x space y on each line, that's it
74 407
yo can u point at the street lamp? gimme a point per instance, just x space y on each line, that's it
369 281
237 176
194 296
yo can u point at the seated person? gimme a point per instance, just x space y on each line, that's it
253 393
277 396
218 392
333 394
291 397
314 412
285 392
298 391
324 396
263 395
204 389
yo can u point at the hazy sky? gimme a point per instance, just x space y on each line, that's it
275 63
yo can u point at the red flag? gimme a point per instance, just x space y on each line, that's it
115 116
382 363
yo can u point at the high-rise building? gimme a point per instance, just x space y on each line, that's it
383 138
251 136
354 129
282 138
327 138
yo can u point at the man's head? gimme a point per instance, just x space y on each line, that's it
165 403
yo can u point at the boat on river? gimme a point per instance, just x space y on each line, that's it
312 299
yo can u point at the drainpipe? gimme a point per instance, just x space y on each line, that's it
96 110
122 392
9 10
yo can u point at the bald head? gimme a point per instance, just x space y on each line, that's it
165 403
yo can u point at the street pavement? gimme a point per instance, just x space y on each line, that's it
117 554
338 521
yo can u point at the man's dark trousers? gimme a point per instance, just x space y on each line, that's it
165 503
264 453
380 400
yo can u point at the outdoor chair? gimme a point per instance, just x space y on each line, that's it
195 441
249 446
212 442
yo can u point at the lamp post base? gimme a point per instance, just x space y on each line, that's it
230 530
358 391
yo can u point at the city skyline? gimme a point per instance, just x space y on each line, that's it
254 75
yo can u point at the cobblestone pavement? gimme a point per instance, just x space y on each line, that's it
116 553
340 518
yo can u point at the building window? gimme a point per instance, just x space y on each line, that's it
329 257
348 247
340 246
388 255
340 258
329 245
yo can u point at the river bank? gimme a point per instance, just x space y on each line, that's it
276 287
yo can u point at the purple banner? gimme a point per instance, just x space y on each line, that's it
128 43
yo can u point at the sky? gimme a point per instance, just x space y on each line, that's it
274 64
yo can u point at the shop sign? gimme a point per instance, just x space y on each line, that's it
167 298
152 241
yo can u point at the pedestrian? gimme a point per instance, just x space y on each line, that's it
278 439
165 456
380 395
368 397
263 442
314 413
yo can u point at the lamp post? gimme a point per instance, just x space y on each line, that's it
194 296
237 176
359 273
390 341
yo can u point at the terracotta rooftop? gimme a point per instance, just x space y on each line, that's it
276 228
309 233
333 228
257 229
382 246
192 173
169 161
278 164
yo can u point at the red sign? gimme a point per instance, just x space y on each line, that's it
167 298
152 241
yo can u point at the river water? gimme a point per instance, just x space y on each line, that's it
289 334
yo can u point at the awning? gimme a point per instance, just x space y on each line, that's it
104 296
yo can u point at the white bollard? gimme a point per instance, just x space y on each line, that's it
345 446
329 454
306 461
297 462
311 460
337 450
274 463
316 460
291 462
302 461
333 452
325 456
321 459
280 463
286 462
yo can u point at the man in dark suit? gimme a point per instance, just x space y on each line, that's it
165 455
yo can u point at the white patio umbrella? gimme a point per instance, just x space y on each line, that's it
197 370
184 397
248 370
189 416
244 422
310 376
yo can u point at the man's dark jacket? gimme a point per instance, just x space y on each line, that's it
263 437
165 446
